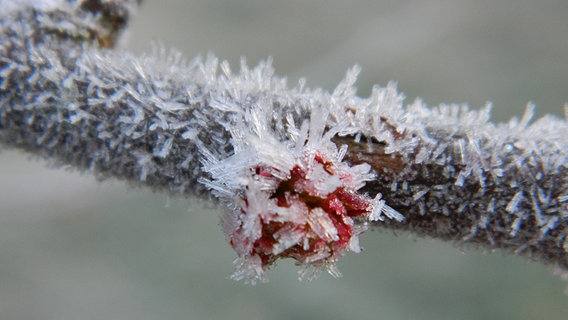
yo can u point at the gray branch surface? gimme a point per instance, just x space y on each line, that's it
162 122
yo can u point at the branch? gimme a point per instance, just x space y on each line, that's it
302 171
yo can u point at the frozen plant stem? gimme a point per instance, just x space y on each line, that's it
302 172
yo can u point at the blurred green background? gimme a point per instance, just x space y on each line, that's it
74 248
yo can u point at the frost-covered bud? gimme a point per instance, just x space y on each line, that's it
292 198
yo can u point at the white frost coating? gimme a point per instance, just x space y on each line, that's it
513 205
322 225
380 207
269 151
8 6
419 194
392 213
377 208
249 269
548 226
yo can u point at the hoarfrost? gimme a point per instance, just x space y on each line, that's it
513 205
270 153
419 194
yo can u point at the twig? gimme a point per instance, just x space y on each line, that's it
303 172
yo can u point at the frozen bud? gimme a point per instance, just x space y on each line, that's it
291 195
313 215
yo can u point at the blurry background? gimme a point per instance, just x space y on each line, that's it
74 248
